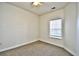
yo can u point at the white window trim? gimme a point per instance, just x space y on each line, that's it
49 28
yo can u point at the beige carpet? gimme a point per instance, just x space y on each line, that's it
36 49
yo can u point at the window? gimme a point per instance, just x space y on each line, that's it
55 28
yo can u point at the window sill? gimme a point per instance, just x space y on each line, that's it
55 38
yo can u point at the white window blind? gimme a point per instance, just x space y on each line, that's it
55 28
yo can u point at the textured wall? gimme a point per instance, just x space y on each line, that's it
17 26
44 28
70 27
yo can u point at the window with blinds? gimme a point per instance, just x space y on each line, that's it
55 28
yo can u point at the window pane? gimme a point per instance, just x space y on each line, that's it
56 28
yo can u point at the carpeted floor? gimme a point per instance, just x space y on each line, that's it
36 49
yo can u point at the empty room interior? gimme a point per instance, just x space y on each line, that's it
39 29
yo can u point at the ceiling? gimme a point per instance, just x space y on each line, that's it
44 8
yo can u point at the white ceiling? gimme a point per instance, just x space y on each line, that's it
45 8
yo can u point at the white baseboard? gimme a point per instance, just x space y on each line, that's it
52 43
35 41
19 45
74 54
60 46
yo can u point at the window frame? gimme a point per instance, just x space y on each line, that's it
61 29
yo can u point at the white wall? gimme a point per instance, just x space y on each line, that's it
44 19
17 26
77 29
70 27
